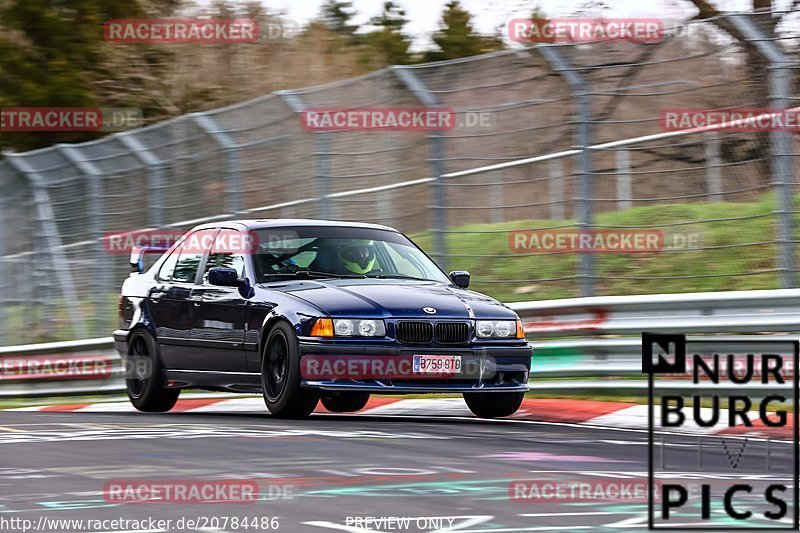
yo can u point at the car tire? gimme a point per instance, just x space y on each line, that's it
345 402
493 404
144 375
280 376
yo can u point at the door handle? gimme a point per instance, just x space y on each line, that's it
156 297
196 300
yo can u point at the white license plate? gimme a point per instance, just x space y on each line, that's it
437 364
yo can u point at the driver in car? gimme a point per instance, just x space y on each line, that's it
358 257
351 257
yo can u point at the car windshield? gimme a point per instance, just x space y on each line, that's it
339 252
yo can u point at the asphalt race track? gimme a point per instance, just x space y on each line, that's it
442 473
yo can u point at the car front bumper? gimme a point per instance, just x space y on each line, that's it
484 368
121 341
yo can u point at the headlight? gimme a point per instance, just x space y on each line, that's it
346 327
504 328
367 328
343 327
496 329
484 328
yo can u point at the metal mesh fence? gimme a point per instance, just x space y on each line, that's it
347 160
550 138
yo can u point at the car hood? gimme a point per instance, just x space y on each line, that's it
384 299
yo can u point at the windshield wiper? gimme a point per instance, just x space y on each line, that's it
313 273
331 275
396 276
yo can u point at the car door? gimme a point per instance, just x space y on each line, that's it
169 300
219 314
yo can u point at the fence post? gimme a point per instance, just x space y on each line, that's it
5 271
155 177
229 146
45 219
436 142
322 172
41 273
557 208
101 279
580 92
624 184
385 207
496 199
386 211
713 177
781 149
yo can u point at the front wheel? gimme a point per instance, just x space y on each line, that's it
280 376
493 404
144 375
345 402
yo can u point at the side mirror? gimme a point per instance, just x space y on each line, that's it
460 278
137 259
223 277
137 256
228 277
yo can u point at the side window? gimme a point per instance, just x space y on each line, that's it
226 252
168 267
191 253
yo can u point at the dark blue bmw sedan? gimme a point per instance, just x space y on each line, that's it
305 311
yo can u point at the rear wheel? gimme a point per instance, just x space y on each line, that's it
493 404
144 375
280 376
345 402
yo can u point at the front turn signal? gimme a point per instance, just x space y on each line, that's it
520 330
323 327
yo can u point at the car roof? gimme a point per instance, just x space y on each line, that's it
255 224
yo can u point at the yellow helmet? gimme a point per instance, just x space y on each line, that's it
358 256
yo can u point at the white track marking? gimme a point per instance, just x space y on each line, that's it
110 407
629 419
421 406
233 405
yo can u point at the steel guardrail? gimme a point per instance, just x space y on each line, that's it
588 340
